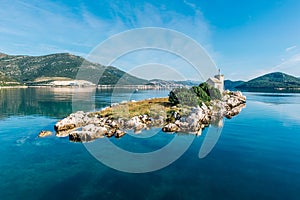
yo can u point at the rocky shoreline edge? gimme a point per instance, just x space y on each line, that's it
88 126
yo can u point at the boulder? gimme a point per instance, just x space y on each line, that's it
145 119
133 121
158 121
171 127
119 133
139 126
83 136
234 111
111 132
87 133
72 121
44 133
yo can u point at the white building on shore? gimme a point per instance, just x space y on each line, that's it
217 82
72 83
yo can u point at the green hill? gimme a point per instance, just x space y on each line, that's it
26 69
272 82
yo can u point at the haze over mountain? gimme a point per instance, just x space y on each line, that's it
29 69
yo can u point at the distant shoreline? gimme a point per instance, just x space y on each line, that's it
103 87
271 90
12 87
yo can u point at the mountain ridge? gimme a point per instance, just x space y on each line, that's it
275 81
25 69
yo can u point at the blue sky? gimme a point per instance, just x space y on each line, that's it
244 38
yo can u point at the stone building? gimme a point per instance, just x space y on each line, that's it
217 82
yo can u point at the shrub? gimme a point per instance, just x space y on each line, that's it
194 96
201 93
212 92
183 96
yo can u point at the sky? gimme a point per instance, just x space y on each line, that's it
244 39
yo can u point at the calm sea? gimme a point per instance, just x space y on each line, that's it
257 155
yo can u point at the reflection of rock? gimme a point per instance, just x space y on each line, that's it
234 111
45 133
63 133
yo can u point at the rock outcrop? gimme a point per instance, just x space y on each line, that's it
230 105
44 133
88 126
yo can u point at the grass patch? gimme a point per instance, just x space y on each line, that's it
155 108
152 107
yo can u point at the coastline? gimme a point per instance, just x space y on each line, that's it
13 87
101 87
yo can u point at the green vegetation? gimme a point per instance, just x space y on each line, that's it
194 96
26 69
6 81
271 82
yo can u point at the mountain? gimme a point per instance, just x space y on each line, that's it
231 85
172 83
189 83
28 69
272 82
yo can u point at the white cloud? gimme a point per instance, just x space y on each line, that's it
290 48
193 6
290 65
47 27
32 24
147 15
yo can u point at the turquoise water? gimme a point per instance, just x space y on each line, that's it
256 156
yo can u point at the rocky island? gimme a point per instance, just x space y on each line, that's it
190 115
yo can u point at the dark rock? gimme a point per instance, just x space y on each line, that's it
111 132
171 127
119 133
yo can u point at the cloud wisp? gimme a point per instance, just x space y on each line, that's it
290 48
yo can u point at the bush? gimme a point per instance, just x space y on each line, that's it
183 96
194 96
212 92
201 94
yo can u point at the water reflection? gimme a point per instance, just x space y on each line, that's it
60 102
273 98
53 102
